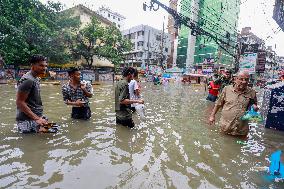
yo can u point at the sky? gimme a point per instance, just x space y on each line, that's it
256 14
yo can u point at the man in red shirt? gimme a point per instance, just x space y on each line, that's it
213 87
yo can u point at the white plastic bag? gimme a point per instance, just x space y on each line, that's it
140 109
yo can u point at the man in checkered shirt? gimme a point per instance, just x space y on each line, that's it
77 93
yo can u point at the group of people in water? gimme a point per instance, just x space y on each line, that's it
76 93
234 100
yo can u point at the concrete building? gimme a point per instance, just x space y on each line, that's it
102 68
150 46
219 18
114 17
85 14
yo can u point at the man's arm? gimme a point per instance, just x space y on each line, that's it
215 110
128 101
219 104
67 100
22 105
124 97
87 90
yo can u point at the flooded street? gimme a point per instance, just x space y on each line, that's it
174 148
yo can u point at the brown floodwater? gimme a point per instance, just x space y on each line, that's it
173 148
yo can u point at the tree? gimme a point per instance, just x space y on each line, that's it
96 40
29 27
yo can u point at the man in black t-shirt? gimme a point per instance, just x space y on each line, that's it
29 105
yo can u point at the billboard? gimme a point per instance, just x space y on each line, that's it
278 13
261 59
248 62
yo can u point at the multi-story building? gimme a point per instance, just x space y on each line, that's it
85 15
150 46
114 17
220 19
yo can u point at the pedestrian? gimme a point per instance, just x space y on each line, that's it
122 99
28 100
226 79
213 92
77 93
235 100
134 89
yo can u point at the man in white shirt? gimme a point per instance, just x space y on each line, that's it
134 89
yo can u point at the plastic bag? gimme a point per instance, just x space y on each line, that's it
140 109
252 115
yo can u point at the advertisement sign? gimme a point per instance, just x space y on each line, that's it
248 62
261 59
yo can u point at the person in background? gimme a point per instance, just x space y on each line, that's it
134 89
29 105
77 93
235 101
122 99
226 79
213 87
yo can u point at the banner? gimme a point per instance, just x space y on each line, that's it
249 48
261 59
248 62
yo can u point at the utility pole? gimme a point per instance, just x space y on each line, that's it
162 45
148 54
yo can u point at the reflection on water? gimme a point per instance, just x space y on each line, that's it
173 148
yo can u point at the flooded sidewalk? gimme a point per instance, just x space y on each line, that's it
174 148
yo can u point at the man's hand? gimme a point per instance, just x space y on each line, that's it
141 101
255 107
83 86
212 119
41 121
79 103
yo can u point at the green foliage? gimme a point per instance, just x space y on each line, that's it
96 40
28 27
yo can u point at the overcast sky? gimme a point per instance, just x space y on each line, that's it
254 13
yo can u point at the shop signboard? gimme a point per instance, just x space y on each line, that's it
261 59
248 62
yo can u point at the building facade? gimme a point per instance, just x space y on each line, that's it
150 46
117 19
85 15
220 19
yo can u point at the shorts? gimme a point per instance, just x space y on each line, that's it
28 126
128 122
81 113
211 98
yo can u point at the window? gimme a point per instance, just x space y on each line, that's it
118 26
113 17
166 49
108 15
118 19
140 33
158 37
133 36
140 43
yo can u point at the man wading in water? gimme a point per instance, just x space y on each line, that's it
122 99
235 101
77 94
29 105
